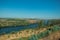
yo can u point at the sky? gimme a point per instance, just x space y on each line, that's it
43 9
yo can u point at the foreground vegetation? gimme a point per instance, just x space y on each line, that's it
42 34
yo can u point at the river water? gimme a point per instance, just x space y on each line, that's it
17 28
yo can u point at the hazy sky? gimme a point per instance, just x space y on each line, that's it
45 9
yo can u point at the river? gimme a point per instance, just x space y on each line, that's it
17 28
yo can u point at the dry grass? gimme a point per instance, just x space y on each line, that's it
24 33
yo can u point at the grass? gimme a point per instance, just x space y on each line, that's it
12 22
43 34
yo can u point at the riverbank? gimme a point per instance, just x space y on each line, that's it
30 34
6 22
6 30
21 34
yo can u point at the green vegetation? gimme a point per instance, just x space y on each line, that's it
42 34
12 22
51 26
49 23
17 22
23 38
